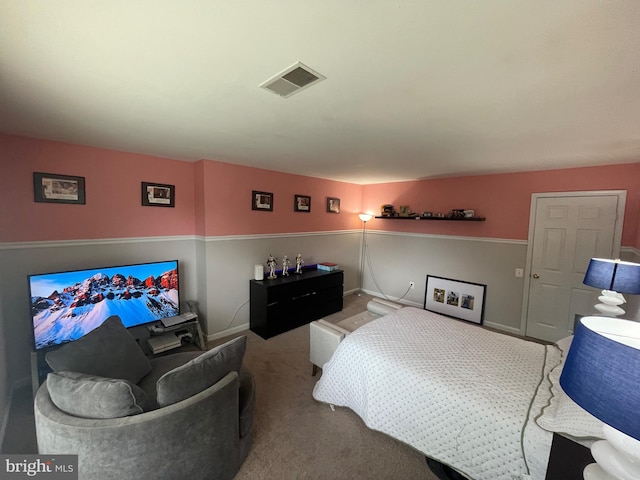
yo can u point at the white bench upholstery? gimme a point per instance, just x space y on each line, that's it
324 337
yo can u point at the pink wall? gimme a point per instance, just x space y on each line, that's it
227 202
504 199
212 198
113 193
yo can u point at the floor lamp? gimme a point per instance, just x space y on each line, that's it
602 375
365 217
615 277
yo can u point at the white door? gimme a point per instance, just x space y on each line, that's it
566 231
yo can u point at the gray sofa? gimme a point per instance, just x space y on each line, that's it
184 415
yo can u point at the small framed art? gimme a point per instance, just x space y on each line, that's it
333 205
301 203
261 201
53 188
158 195
455 298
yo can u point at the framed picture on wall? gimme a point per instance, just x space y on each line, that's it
301 203
261 201
158 195
333 205
54 188
455 298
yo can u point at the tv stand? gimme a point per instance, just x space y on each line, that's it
167 338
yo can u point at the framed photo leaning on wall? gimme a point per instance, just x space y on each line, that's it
455 298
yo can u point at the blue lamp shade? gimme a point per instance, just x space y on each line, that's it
621 277
602 371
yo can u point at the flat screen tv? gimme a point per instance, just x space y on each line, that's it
67 305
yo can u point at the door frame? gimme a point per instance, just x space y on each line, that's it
617 236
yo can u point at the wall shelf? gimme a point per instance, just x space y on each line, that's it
451 219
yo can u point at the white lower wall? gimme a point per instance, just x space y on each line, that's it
214 271
395 259
230 266
20 260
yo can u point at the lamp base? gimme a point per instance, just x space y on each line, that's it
611 302
618 457
593 471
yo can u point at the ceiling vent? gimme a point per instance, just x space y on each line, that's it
293 80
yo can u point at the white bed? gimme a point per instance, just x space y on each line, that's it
464 396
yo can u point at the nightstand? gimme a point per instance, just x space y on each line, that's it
567 459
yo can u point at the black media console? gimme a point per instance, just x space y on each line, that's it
285 303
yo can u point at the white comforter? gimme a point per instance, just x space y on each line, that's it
460 394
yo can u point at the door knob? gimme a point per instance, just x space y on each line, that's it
535 275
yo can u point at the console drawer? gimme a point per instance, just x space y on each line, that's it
284 303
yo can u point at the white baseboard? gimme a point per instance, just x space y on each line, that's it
503 328
245 326
393 299
227 332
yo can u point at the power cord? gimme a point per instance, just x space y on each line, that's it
373 277
233 319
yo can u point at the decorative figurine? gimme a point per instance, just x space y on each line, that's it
299 263
271 263
285 266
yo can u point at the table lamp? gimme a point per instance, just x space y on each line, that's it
602 375
615 277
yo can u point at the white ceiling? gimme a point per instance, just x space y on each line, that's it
414 89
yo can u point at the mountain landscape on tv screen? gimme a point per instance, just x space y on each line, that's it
79 308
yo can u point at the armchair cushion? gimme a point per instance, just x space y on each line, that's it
201 372
89 396
107 351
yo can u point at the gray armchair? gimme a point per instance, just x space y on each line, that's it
180 433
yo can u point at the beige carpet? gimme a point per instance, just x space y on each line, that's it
296 437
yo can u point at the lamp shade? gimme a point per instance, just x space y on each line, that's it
365 217
622 277
602 371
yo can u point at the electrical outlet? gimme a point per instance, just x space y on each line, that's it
412 284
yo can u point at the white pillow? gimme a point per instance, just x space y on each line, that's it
564 344
563 415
